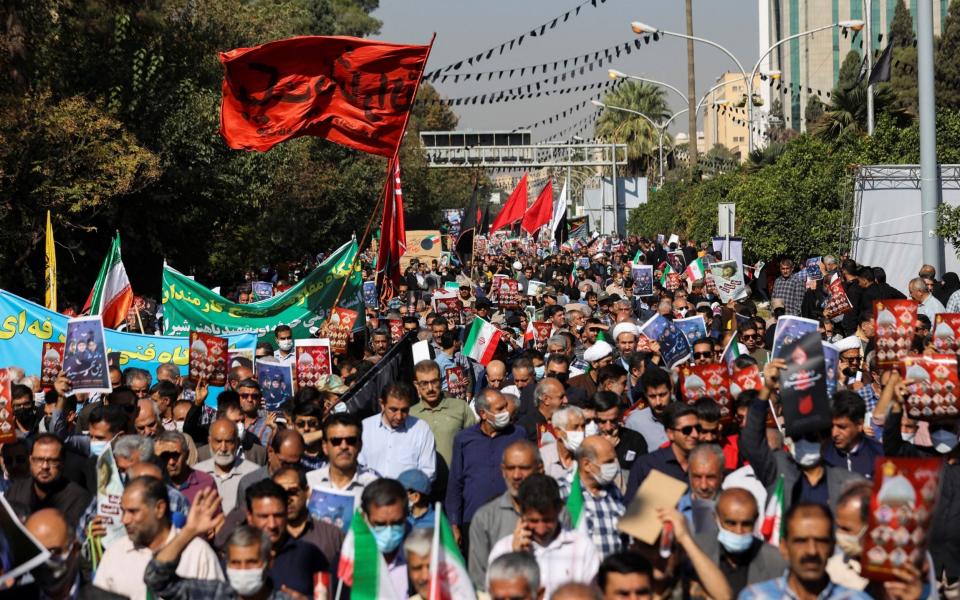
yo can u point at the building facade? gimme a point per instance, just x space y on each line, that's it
724 121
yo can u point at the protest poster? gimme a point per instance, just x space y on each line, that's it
534 288
85 356
789 329
8 421
208 358
189 306
710 381
276 382
480 245
747 378
51 355
831 357
109 492
932 386
902 504
674 239
946 332
338 328
507 293
676 261
642 279
812 269
674 347
261 290
396 330
583 263
803 386
837 303
370 294
456 382
894 322
670 279
450 308
451 286
710 284
541 331
332 507
728 279
20 552
313 361
693 328
423 246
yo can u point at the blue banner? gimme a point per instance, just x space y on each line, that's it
24 326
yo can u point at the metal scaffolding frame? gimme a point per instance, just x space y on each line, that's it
527 157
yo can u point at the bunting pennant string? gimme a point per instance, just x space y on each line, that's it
512 94
515 42
568 111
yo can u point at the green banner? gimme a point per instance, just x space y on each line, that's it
188 305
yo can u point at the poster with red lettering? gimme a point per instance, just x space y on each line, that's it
904 497
456 382
838 303
932 386
894 321
946 333
313 361
208 358
712 381
51 363
8 424
338 328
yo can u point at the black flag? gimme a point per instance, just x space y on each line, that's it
485 225
468 229
560 234
881 70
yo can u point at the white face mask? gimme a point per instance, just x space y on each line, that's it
944 441
573 439
179 426
591 428
908 437
285 345
500 420
608 472
246 582
240 430
805 452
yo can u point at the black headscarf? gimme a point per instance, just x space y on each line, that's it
951 283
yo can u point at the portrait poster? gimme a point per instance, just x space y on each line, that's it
85 356
313 361
276 383
208 358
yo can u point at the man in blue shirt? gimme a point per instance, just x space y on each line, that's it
475 476
393 441
807 546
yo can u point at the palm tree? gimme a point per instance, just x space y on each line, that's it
847 112
636 132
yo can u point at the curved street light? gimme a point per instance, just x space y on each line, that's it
615 74
659 127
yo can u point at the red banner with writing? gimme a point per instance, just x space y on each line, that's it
350 91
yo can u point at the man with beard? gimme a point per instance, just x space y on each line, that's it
683 430
47 487
657 389
146 518
626 335
225 466
807 544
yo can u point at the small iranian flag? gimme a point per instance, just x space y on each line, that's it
111 295
773 517
695 271
636 258
530 334
481 341
732 351
667 269
362 567
449 578
575 505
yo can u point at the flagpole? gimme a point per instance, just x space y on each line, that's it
434 590
390 165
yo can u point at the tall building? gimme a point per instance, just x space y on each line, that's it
810 65
724 122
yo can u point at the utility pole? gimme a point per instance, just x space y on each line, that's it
868 38
929 170
691 91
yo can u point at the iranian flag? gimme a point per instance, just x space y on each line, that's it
362 567
530 334
695 271
667 269
636 258
449 578
773 517
481 341
732 351
111 295
575 505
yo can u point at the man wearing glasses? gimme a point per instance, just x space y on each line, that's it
683 430
751 337
46 486
250 403
704 352
342 439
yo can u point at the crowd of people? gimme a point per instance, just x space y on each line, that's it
536 460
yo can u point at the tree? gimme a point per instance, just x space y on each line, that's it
903 72
777 132
947 63
847 114
815 108
636 132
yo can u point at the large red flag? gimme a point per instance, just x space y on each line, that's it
540 213
351 91
514 208
393 235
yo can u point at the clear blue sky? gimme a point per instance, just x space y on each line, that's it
466 27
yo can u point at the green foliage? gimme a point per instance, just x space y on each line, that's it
947 60
635 131
903 72
847 114
109 117
815 108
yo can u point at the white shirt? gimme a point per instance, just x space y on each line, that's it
931 307
228 484
392 451
319 479
570 557
121 570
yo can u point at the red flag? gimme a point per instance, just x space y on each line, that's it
351 91
514 208
541 212
393 235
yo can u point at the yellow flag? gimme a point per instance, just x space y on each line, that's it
51 273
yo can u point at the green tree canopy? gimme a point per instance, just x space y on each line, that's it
636 132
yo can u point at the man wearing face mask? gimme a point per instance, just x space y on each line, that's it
806 477
498 517
384 506
475 467
549 396
603 503
743 558
559 460
284 352
25 409
226 468
249 561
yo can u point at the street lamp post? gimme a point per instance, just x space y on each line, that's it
643 28
660 128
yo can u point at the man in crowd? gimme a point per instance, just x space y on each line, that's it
850 448
629 444
251 400
648 422
342 442
626 575
789 288
549 396
515 575
394 441
683 431
598 355
705 474
47 487
225 466
300 524
384 505
598 470
285 450
496 373
171 448
445 416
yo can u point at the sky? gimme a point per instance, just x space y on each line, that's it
467 27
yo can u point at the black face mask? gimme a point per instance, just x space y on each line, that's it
26 417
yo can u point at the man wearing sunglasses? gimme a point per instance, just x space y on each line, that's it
752 338
704 352
342 440
683 430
